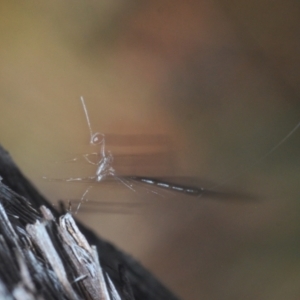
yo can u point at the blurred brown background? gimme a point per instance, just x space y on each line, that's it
219 79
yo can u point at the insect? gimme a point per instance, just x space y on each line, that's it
104 170
103 160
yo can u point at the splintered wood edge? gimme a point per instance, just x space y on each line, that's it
144 285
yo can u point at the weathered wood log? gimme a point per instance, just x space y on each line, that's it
24 231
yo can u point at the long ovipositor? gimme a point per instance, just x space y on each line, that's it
194 191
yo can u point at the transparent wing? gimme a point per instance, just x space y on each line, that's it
128 190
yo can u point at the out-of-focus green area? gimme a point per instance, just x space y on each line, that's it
221 79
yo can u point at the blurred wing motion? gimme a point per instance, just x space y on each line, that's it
139 193
141 154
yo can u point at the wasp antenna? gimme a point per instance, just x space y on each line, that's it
87 117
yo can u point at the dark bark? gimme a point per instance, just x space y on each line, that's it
143 284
